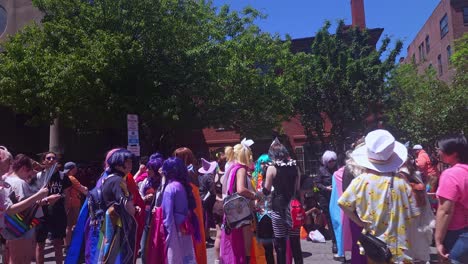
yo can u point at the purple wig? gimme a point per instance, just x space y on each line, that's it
175 170
155 163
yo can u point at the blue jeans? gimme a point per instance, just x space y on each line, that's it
456 242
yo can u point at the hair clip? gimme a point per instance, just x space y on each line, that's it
246 143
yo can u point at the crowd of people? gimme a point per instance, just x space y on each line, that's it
381 202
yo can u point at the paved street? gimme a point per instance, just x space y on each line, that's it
312 252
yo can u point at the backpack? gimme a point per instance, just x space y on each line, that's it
297 213
96 204
236 207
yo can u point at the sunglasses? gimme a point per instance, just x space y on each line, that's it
51 158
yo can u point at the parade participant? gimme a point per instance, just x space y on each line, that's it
263 218
5 160
87 232
378 200
340 222
218 212
284 177
148 189
186 155
207 193
430 173
323 181
73 199
180 221
236 244
142 172
119 226
451 236
16 197
420 233
351 171
229 153
55 215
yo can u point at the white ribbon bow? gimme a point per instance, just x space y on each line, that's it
246 143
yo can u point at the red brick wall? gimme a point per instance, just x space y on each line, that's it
438 45
358 14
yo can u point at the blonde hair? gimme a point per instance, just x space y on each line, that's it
353 167
229 153
242 154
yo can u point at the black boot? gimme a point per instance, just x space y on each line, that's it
270 258
280 248
334 248
295 242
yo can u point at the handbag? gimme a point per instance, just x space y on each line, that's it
236 208
376 249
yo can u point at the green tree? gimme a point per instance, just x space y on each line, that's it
178 64
424 108
459 61
344 82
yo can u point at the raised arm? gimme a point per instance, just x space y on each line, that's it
28 202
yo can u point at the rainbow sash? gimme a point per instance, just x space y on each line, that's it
19 224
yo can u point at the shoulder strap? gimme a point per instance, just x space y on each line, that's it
233 172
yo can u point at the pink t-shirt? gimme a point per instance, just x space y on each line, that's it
453 186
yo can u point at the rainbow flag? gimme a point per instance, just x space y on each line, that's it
17 225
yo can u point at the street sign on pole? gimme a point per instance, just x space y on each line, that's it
135 149
133 136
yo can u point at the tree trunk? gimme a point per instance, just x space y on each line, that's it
54 137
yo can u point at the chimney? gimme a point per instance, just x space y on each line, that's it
357 14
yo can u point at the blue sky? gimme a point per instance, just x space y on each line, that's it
302 18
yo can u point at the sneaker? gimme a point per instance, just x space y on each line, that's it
339 258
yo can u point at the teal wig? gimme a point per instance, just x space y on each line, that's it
264 158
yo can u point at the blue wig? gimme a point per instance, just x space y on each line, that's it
118 158
264 158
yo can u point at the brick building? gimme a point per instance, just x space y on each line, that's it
15 14
434 43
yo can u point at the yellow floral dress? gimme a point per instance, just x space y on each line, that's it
389 211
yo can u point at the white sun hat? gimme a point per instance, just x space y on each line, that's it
381 152
417 147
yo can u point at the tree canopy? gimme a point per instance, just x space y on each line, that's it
344 83
423 108
175 63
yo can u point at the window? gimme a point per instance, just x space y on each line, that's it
299 151
3 19
413 59
428 45
439 64
444 26
422 54
449 53
465 15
